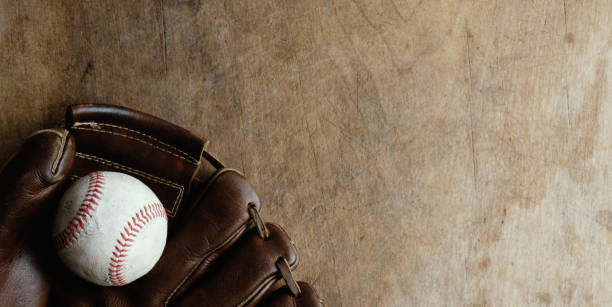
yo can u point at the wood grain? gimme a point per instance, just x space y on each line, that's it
420 152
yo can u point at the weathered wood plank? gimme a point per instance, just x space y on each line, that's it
419 152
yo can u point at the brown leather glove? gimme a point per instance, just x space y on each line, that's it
29 184
218 253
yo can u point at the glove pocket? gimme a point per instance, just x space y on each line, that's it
110 138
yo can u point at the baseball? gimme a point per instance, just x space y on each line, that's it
110 228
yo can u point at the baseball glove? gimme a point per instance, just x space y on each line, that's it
219 252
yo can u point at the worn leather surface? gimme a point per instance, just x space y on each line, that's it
245 275
215 251
162 155
29 185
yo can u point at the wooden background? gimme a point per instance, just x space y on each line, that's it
434 152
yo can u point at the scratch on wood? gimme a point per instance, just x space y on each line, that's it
569 123
604 218
87 70
412 13
243 141
415 9
565 15
163 34
470 101
397 11
243 165
312 147
350 137
379 32
357 97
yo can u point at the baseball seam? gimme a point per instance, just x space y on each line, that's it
117 264
88 206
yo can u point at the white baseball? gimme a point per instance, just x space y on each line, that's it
110 228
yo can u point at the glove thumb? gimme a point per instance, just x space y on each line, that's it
30 179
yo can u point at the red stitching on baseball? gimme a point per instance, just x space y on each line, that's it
89 204
130 231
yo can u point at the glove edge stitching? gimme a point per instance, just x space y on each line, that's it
151 177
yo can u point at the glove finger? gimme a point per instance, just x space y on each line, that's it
283 297
242 276
31 177
219 218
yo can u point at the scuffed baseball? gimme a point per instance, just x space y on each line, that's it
110 228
